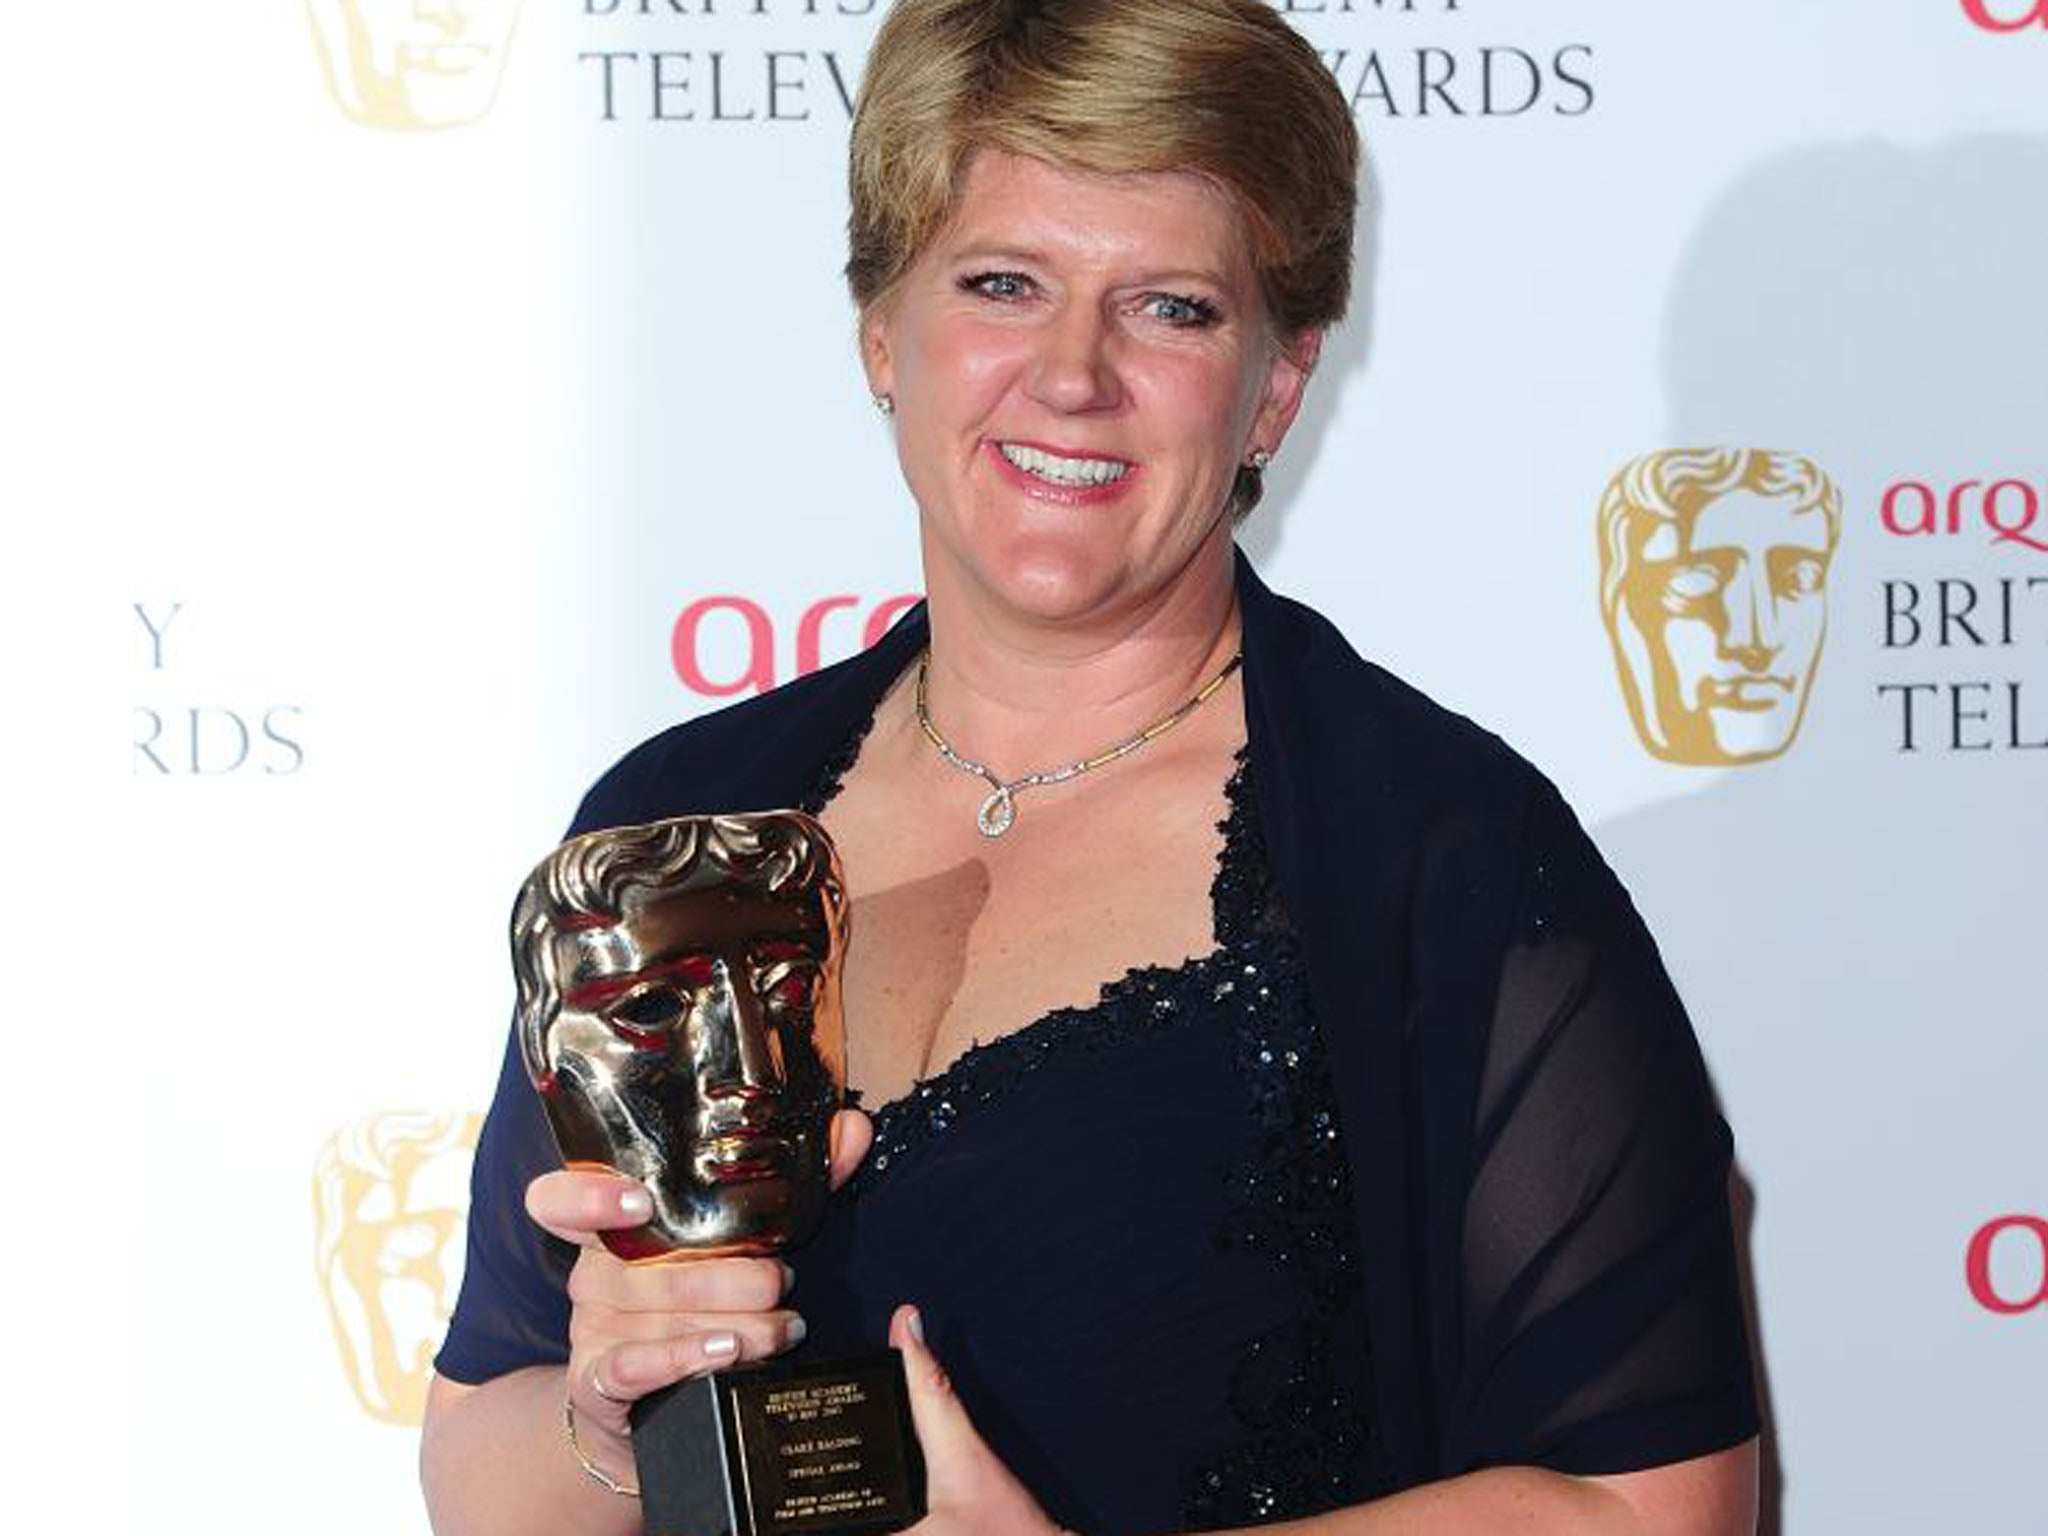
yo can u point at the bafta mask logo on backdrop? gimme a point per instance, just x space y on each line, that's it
1713 583
2007 15
389 1195
413 63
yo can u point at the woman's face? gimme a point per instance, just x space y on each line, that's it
1079 364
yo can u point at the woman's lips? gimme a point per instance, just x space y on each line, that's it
1066 476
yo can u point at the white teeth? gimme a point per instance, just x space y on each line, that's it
1059 471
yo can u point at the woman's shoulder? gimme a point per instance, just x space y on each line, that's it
762 753
1436 795
1356 729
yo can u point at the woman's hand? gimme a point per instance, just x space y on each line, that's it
634 1328
968 1491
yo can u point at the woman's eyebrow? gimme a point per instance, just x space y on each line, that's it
989 251
998 254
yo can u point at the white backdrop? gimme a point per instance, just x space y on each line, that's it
374 417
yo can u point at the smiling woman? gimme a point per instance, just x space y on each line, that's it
1275 1110
1080 364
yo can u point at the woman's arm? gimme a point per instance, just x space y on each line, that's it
1709 1496
971 1493
493 1462
495 1458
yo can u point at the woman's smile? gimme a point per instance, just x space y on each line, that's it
1076 342
1070 476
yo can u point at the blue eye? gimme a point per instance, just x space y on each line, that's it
997 285
1180 309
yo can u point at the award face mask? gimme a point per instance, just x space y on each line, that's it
1714 571
400 64
679 1014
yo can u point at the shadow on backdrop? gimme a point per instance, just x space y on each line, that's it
1877 309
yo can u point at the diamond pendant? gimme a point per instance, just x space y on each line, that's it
998 812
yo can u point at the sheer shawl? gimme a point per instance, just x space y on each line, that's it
1538 1169
1542 1172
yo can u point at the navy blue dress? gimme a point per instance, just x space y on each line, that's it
1128 1229
1442 1186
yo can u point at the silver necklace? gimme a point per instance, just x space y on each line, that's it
998 812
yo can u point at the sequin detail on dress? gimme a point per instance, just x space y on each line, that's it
1306 1445
832 772
1303 1441
1143 999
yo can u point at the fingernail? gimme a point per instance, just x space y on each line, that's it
636 1203
795 1334
717 1346
788 1277
915 1323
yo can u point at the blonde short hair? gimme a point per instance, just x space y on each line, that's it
1220 88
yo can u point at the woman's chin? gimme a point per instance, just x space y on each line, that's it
1059 585
1066 570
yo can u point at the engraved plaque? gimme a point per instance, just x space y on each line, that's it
784 1448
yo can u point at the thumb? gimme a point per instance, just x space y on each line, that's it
850 1136
954 1455
964 1479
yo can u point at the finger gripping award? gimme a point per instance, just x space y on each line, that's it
679 1014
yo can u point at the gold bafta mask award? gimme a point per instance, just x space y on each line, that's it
679 1014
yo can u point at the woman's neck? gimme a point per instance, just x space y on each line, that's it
1022 694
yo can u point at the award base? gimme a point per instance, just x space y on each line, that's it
783 1448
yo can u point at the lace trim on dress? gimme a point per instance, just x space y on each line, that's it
1139 1002
1304 1445
832 772
1144 999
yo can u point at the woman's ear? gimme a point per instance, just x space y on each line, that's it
1306 348
1293 364
876 359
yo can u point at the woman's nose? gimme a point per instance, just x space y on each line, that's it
1075 369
